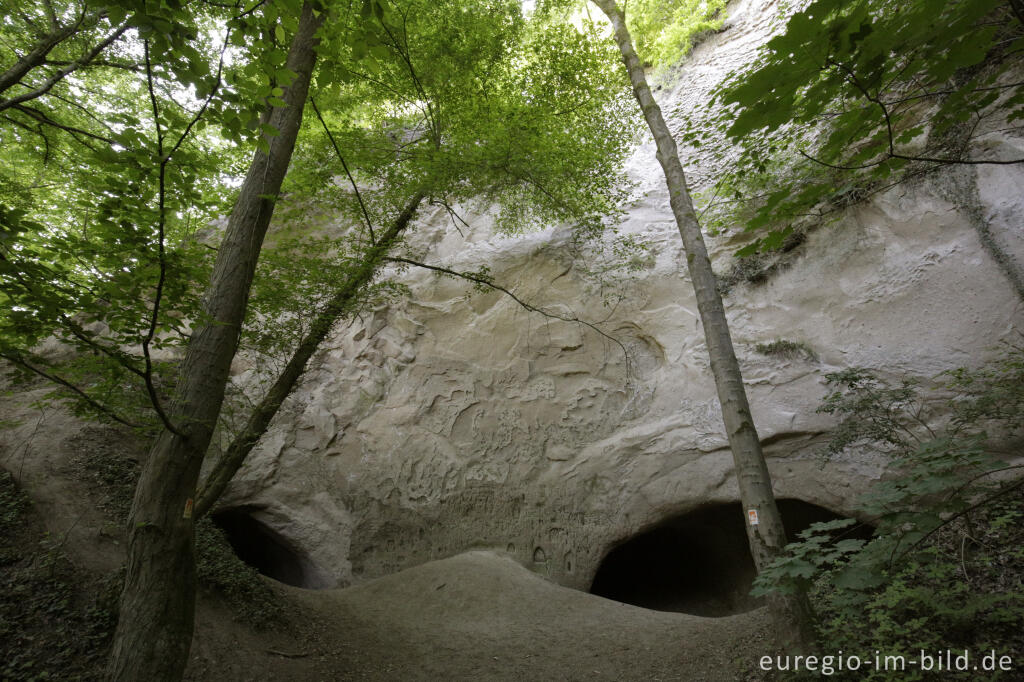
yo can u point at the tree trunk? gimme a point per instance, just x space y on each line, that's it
767 536
154 632
259 420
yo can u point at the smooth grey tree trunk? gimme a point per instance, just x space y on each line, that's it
791 613
154 632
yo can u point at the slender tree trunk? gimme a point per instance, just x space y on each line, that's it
259 420
154 632
767 537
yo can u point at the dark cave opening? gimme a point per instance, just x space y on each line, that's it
265 549
698 562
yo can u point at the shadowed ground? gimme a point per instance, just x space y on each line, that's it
481 616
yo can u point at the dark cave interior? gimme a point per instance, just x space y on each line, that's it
265 549
698 562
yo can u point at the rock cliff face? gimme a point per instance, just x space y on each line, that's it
457 420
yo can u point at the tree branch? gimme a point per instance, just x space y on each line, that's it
404 53
452 215
99 64
35 57
76 330
962 512
73 131
483 281
147 376
355 187
259 419
217 82
15 359
837 167
1018 9
60 74
892 153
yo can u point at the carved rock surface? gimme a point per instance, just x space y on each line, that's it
457 420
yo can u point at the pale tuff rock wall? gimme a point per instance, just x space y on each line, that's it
457 420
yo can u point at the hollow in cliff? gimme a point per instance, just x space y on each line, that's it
698 562
266 550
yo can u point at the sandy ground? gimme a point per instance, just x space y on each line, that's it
479 616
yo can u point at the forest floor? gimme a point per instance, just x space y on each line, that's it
474 616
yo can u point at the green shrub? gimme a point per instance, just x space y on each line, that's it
961 589
751 266
784 348
945 568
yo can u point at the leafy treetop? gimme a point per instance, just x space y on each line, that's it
853 97
112 176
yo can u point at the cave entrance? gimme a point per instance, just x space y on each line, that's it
698 562
265 549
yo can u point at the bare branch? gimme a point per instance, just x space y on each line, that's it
15 359
483 281
452 215
355 187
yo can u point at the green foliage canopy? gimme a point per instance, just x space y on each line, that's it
107 202
943 569
853 97
664 30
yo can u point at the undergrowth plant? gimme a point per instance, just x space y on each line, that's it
786 349
945 567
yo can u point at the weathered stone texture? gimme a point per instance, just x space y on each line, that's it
457 420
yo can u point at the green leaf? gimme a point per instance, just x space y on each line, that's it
748 250
857 578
